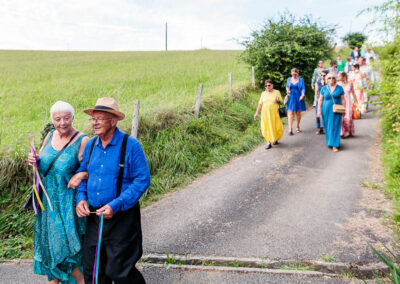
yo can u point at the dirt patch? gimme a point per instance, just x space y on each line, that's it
372 223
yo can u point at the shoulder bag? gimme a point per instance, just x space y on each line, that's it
336 107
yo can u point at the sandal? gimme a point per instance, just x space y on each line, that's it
268 146
335 149
319 132
298 129
275 143
290 132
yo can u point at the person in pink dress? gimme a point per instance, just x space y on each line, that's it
350 98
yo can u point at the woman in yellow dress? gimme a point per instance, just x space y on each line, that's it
271 123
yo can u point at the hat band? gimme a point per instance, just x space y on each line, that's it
103 107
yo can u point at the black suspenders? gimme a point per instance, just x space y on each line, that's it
121 164
121 161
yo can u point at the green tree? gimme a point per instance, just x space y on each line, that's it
354 39
280 45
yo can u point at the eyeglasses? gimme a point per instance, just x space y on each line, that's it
331 78
268 85
95 120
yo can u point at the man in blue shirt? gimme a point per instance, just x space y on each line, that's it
121 245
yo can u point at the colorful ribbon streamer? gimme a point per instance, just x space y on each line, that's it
44 191
97 255
37 182
36 187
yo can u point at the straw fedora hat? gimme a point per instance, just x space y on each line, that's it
107 105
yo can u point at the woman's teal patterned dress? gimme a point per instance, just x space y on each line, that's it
58 234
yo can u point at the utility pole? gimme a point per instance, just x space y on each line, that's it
166 36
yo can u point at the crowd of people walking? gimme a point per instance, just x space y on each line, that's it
340 96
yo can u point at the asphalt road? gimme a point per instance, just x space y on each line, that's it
289 202
296 201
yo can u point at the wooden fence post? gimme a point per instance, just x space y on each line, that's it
253 80
198 101
135 119
230 83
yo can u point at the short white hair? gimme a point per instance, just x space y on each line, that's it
61 106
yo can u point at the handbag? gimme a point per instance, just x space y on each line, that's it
338 108
356 112
282 112
30 202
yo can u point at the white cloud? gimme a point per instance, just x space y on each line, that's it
139 25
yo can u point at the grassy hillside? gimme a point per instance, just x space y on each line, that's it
31 81
178 146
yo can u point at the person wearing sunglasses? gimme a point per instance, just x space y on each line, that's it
296 91
318 86
331 94
271 123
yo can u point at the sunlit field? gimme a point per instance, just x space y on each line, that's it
31 81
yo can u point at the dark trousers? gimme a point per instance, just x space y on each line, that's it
317 118
121 248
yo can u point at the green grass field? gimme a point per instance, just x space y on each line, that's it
31 81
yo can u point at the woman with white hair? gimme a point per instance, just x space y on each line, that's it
58 232
331 94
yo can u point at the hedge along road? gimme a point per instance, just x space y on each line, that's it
298 201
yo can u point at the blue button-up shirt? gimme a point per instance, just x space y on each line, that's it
101 186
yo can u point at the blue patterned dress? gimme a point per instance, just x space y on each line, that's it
332 121
58 234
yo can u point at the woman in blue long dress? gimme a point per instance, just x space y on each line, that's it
331 94
296 91
58 233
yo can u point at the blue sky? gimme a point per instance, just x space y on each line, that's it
140 25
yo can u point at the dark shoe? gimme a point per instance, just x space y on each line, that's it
275 143
320 131
268 146
290 132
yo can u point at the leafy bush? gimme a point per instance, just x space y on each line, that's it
288 42
354 39
389 99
